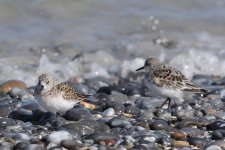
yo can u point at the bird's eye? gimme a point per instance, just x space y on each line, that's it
42 87
47 82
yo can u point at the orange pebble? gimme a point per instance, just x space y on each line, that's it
8 85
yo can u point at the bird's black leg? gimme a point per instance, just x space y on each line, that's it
167 100
57 114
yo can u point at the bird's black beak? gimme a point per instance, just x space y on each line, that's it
140 68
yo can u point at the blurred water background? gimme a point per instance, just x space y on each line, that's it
108 38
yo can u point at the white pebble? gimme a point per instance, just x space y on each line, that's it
108 112
58 136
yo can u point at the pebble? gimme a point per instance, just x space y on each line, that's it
218 135
108 112
97 137
159 125
118 107
5 122
180 143
177 135
132 110
86 126
76 114
213 147
5 110
8 85
70 144
21 145
193 132
220 143
58 136
196 141
21 114
119 122
219 124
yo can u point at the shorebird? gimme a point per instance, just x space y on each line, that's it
166 81
56 96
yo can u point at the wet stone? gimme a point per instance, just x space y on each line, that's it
86 126
191 122
132 110
165 140
16 92
193 132
21 114
46 116
97 137
159 125
118 107
76 114
21 145
29 105
142 123
70 144
119 122
220 124
5 122
58 136
108 112
118 97
199 142
218 135
147 114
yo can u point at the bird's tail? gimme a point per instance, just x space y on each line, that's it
195 89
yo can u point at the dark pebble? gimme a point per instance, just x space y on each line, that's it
21 145
86 126
97 137
192 122
49 119
220 124
21 114
76 114
106 90
159 125
165 140
217 135
118 107
30 105
199 142
132 110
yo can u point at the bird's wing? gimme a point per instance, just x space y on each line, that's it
69 93
169 77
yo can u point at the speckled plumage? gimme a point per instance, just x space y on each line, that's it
56 96
167 81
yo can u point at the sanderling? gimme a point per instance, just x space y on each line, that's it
167 81
56 96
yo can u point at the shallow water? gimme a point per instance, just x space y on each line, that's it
44 36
